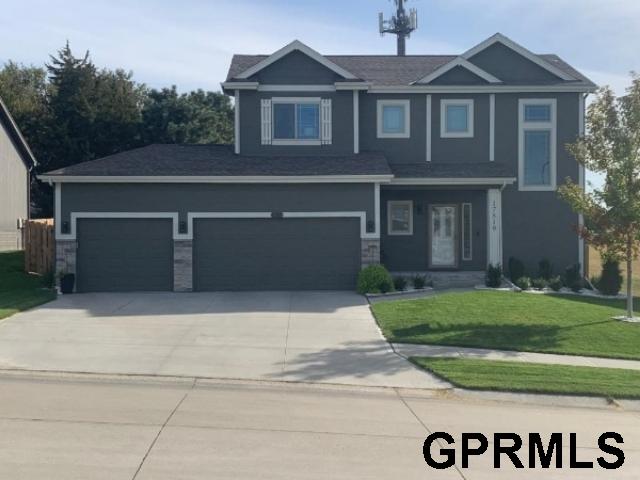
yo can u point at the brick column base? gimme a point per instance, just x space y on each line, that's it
182 265
65 258
370 252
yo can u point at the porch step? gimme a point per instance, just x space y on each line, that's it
449 279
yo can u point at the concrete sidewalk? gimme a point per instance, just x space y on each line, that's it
409 350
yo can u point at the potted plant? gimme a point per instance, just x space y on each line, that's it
67 282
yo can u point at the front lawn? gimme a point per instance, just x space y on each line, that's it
534 377
566 324
19 291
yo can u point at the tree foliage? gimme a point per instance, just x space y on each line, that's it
70 111
611 147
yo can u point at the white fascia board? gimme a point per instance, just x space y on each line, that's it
459 62
532 57
239 85
297 88
219 179
296 45
454 181
388 89
352 85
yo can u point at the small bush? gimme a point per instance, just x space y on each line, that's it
610 282
524 283
539 283
493 277
545 269
400 283
516 269
555 283
374 279
419 282
572 278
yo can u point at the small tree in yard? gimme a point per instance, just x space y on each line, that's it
611 147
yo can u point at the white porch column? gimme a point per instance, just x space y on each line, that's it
494 226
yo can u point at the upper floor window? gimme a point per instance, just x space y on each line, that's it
296 120
537 144
456 118
394 118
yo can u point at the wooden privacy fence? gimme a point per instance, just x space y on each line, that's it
39 246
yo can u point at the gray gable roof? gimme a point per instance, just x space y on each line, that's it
220 160
392 70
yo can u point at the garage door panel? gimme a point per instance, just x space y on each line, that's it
125 255
276 254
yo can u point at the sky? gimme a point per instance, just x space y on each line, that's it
189 43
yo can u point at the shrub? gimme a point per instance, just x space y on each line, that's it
374 279
610 282
545 269
516 269
555 283
419 282
400 283
523 283
572 278
493 278
539 283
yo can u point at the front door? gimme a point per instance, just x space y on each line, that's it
443 236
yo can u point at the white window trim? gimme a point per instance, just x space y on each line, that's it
296 141
528 126
395 203
444 103
464 231
407 118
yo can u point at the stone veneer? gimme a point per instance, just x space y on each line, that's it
370 252
66 257
183 265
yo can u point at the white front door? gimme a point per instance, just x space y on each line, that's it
443 236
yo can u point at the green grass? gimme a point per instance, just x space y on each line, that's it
534 377
566 324
18 290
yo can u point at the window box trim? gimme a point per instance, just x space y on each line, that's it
407 118
469 103
394 203
542 126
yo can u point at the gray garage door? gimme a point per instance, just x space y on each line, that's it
116 255
276 254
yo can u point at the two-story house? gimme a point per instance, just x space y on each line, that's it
425 163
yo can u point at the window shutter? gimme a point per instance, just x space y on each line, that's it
266 122
325 120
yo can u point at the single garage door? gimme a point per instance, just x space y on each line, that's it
119 255
276 254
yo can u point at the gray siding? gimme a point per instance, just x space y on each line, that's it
14 192
119 255
250 124
185 198
510 67
296 68
411 253
459 76
276 254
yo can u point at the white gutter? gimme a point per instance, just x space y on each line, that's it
218 179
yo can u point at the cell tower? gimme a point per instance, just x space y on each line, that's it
401 25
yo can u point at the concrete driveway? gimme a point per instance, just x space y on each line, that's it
324 337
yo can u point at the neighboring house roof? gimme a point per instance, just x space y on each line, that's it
16 136
220 161
393 70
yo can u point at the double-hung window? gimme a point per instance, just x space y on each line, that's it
296 121
456 118
400 217
537 144
394 119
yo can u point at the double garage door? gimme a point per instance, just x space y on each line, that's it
228 254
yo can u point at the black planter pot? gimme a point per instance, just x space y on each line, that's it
67 282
